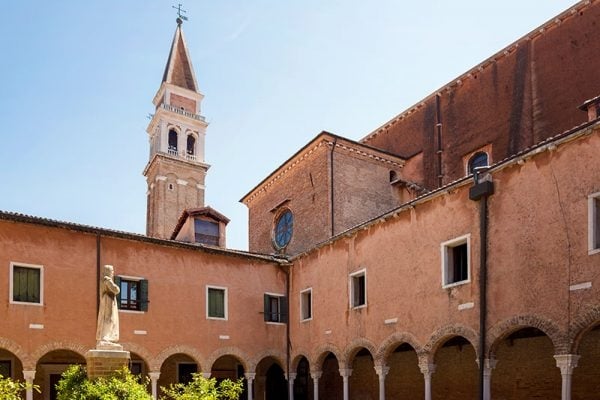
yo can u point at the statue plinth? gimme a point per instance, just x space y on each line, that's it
104 362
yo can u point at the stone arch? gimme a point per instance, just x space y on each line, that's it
354 346
18 351
318 357
505 328
169 351
439 337
48 347
582 324
140 351
297 357
228 351
395 339
276 355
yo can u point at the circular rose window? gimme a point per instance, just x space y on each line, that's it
284 227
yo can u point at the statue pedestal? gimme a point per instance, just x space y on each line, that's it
101 362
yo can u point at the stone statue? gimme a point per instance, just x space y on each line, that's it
107 333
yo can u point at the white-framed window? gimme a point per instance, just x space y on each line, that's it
456 261
358 289
594 223
216 302
26 284
306 305
275 308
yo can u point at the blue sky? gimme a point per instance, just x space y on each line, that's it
79 78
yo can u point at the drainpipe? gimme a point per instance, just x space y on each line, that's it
98 272
438 125
480 191
287 334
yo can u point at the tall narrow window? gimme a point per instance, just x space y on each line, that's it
455 261
26 285
306 305
594 222
191 145
358 289
275 308
216 302
173 142
479 159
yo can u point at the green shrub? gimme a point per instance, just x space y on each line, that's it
201 388
122 385
11 389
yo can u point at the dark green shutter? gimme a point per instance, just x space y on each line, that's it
266 308
144 295
118 283
283 309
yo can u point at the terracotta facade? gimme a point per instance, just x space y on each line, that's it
379 293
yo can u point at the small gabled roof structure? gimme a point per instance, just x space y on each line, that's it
179 70
197 212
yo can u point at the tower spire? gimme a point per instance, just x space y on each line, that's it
176 170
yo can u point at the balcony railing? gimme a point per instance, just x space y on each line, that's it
180 111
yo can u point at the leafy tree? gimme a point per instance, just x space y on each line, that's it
122 385
201 388
11 389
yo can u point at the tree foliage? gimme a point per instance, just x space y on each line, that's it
201 388
12 390
122 385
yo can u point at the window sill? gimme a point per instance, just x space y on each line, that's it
593 251
306 320
217 318
274 323
455 284
26 303
132 311
359 307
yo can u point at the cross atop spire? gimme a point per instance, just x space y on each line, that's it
180 17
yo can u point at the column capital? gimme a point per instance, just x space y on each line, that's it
566 363
29 375
316 374
345 372
250 375
427 369
292 376
381 370
154 375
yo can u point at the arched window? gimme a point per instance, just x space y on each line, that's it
283 229
479 159
393 176
191 145
172 141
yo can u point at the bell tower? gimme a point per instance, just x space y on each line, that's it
176 169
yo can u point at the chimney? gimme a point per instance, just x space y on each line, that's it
592 106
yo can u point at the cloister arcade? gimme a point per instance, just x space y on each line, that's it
526 355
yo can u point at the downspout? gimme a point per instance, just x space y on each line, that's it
98 272
331 186
287 331
480 191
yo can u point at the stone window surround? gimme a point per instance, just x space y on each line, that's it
444 247
593 228
279 296
351 288
10 282
225 303
310 305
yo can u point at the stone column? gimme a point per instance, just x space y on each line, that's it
427 370
488 365
291 378
250 379
381 371
346 373
566 363
316 375
29 376
154 375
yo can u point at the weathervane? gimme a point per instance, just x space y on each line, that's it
180 17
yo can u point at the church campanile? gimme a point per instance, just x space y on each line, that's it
176 169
